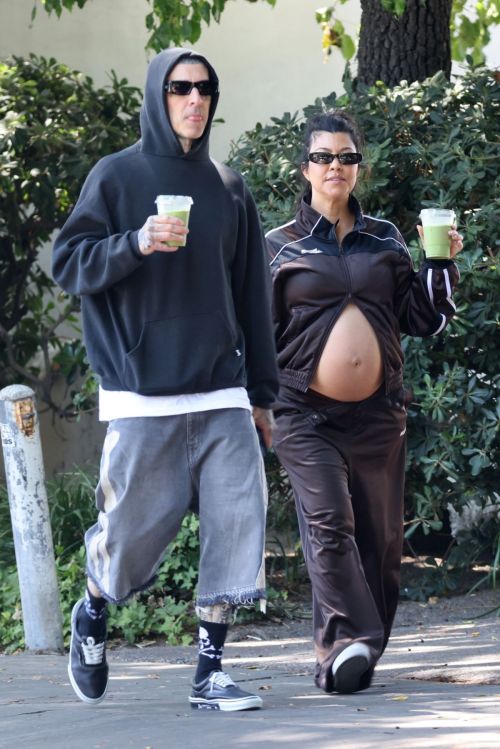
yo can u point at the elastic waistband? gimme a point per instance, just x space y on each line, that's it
312 399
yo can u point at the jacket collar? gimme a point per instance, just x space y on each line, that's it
311 222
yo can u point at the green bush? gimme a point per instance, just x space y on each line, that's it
54 126
151 614
430 143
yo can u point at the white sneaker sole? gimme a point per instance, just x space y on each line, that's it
349 667
79 693
252 702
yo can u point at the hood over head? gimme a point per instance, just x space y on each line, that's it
157 135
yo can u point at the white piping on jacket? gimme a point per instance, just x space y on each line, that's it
299 239
385 221
448 295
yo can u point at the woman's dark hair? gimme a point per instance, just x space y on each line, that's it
332 121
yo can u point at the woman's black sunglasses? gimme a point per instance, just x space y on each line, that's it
183 88
346 158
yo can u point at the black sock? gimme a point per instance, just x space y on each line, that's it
210 646
92 617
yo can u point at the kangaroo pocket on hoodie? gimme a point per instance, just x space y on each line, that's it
185 354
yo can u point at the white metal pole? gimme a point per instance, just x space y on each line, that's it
29 511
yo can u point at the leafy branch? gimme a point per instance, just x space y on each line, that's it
170 22
471 26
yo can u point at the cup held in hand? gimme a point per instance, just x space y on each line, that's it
436 223
177 206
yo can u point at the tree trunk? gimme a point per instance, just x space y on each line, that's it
410 47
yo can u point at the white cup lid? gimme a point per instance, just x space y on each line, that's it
176 200
437 216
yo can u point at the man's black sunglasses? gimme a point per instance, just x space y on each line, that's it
183 88
346 158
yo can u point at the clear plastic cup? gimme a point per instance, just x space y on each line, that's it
178 206
436 223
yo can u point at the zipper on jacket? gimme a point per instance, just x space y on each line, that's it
334 319
380 347
346 271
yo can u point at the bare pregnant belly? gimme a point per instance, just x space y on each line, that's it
350 367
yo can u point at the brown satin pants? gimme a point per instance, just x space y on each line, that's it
346 464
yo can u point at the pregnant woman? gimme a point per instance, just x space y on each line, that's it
344 288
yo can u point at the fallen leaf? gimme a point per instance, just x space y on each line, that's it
399 698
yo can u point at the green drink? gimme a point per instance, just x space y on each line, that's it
184 217
437 241
176 206
436 223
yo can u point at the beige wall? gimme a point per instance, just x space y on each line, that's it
269 59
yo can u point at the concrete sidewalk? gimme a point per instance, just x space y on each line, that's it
437 687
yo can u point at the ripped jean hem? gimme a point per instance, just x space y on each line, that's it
240 597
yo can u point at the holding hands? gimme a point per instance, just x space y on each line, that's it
162 234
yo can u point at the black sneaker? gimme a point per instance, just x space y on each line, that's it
87 667
219 692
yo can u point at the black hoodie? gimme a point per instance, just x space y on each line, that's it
189 321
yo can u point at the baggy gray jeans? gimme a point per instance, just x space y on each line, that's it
153 470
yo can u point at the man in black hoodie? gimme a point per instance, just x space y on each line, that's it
181 340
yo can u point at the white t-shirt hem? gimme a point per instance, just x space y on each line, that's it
122 404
